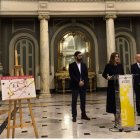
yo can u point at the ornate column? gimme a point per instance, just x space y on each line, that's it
64 60
110 33
44 55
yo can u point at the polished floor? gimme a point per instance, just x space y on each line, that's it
53 119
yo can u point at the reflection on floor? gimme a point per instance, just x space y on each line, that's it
53 119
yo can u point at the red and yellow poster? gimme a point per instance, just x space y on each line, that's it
17 87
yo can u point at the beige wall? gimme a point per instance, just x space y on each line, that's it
77 7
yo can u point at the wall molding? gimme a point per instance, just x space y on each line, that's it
75 0
69 7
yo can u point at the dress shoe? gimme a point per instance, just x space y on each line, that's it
74 119
85 118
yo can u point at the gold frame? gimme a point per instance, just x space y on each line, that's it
63 74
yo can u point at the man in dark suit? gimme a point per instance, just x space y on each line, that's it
135 69
79 77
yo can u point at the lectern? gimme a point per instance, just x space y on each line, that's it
125 107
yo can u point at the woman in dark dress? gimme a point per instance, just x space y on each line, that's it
111 69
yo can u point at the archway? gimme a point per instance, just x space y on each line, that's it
126 47
62 29
27 49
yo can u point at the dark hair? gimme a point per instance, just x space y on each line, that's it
112 58
76 53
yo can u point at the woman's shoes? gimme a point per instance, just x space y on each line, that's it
116 128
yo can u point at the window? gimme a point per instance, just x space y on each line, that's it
25 51
124 50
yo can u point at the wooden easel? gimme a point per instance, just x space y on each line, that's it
18 70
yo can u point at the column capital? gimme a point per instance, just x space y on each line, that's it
44 16
110 16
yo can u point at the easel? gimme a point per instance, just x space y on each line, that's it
18 70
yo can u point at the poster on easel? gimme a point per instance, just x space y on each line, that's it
127 101
17 87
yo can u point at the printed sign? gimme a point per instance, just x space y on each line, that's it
17 87
126 101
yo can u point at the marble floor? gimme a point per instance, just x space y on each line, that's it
53 119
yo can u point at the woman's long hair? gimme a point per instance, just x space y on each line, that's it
112 58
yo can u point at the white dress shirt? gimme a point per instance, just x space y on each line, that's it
79 66
138 65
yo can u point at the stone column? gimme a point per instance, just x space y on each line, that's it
110 33
44 56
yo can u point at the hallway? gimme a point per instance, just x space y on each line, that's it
53 119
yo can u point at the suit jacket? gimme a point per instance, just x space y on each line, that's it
136 70
75 75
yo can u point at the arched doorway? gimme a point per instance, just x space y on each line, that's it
28 56
126 47
53 45
74 31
